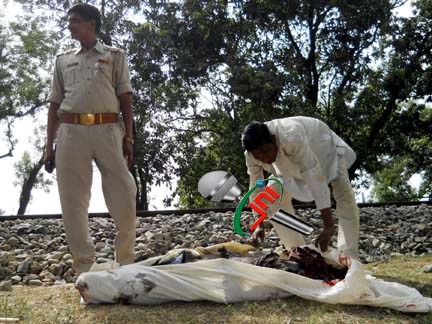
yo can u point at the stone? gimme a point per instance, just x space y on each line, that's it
46 274
428 268
12 242
6 273
141 246
385 232
68 275
53 261
141 239
204 223
23 229
16 280
102 260
20 256
56 255
63 248
39 230
6 285
107 250
144 228
35 282
24 266
99 246
158 237
56 268
48 281
60 282
30 277
6 247
376 243
67 256
149 235
420 227
69 262
13 264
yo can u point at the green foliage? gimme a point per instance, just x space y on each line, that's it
26 50
161 103
409 152
269 60
391 184
27 171
24 167
401 131
202 70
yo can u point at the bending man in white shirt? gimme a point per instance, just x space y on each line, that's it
306 155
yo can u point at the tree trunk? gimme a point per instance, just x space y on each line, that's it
141 197
28 186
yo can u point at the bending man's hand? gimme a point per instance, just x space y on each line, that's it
257 237
325 237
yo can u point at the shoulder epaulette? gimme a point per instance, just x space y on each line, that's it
113 49
68 51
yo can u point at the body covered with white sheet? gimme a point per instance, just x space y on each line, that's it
227 281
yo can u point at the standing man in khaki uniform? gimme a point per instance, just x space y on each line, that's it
90 87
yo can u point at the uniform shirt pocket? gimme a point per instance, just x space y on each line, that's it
103 69
72 73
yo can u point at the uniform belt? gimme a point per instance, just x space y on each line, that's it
89 119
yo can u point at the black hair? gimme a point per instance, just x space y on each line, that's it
88 12
254 135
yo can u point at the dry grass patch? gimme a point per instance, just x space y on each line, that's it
61 305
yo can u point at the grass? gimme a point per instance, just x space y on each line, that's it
61 305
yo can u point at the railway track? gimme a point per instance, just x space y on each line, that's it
151 213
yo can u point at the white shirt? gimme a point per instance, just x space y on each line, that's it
306 158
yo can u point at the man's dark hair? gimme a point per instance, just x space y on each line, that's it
88 12
254 135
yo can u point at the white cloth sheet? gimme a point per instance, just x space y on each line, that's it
229 281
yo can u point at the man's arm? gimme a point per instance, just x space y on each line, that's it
123 89
126 110
255 173
52 126
324 238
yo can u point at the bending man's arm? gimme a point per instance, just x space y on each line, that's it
324 238
255 173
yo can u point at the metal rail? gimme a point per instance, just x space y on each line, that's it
175 212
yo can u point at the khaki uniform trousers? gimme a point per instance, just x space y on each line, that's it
347 213
77 147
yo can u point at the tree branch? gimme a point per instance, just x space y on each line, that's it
11 143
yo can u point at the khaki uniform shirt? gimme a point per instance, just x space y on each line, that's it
306 158
90 81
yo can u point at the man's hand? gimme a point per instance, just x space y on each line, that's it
128 152
49 157
324 238
257 237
